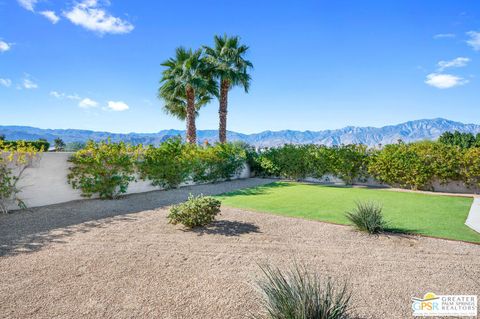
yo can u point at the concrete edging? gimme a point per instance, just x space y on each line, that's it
473 219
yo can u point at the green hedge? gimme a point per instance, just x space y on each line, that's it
299 161
417 165
408 165
106 169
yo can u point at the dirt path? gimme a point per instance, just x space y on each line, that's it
130 263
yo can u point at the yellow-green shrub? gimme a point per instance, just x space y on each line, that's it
416 165
167 165
14 159
196 211
217 162
103 168
471 167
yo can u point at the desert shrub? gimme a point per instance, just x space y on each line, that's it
368 216
471 167
196 211
14 159
40 145
297 293
266 164
103 168
289 161
400 165
349 162
320 160
167 165
444 160
416 165
217 162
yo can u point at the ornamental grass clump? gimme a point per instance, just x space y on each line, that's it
197 211
368 216
299 294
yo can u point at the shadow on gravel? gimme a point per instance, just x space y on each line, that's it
227 228
400 232
30 230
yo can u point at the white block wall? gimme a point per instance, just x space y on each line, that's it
45 182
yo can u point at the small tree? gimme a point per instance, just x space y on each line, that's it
59 144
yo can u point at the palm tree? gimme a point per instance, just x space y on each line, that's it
230 69
177 106
187 84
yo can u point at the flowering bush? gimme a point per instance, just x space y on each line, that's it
14 159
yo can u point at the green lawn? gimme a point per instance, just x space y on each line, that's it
432 215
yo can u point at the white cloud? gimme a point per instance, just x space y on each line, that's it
444 81
91 16
50 15
28 4
56 94
474 41
73 97
4 46
5 82
61 95
117 106
444 35
455 63
87 103
29 84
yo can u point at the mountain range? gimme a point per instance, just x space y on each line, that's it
425 129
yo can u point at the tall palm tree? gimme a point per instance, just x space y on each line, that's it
230 69
177 105
186 85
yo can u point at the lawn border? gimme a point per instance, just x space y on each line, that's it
345 225
476 199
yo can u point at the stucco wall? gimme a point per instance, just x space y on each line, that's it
45 182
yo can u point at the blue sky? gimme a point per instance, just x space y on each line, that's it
318 64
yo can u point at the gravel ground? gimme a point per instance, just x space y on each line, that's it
120 259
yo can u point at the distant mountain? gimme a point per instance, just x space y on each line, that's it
371 136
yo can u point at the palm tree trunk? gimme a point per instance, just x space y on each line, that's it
222 112
191 128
